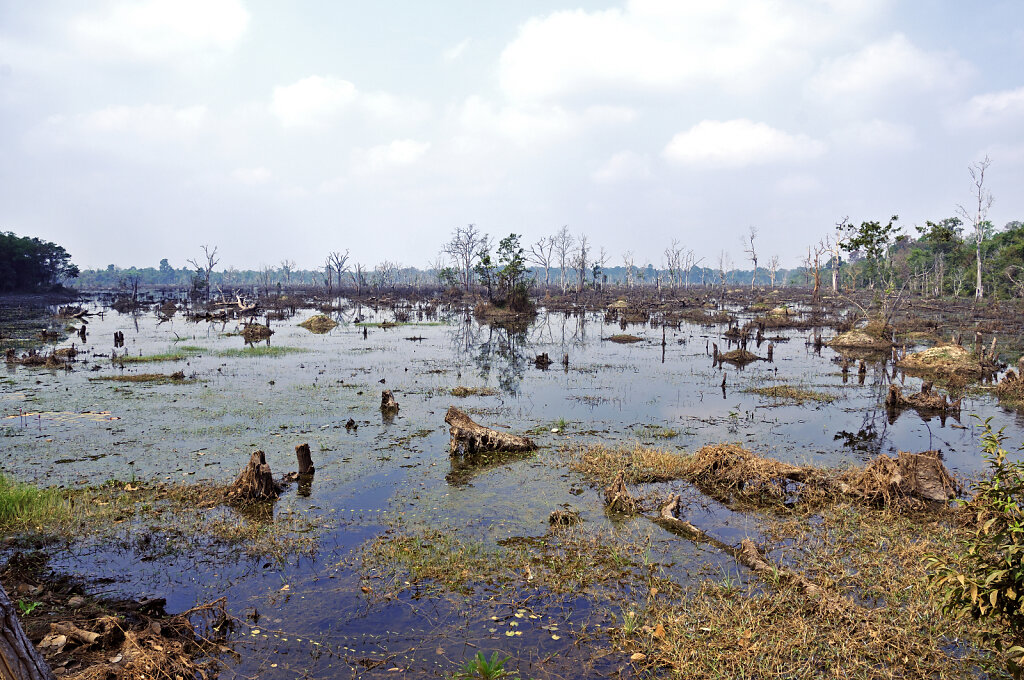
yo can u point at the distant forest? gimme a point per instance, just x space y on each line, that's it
31 264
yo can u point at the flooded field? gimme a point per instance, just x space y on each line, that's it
388 504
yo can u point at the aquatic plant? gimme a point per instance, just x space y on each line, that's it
480 668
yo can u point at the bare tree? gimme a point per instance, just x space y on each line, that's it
813 261
358 275
842 227
465 248
266 273
751 251
205 267
724 265
287 266
627 263
599 265
385 275
689 262
980 210
338 263
563 248
580 262
329 276
674 262
773 269
541 254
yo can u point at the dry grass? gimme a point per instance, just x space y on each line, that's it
159 378
462 391
860 339
945 360
319 324
1010 390
792 393
600 463
624 338
890 627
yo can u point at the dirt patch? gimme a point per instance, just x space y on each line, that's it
860 339
319 324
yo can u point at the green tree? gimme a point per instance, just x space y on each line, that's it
873 239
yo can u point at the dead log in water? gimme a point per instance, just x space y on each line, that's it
468 437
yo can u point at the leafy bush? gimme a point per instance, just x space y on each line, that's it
986 578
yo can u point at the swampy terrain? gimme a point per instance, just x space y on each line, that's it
397 558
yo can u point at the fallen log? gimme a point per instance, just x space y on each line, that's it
467 437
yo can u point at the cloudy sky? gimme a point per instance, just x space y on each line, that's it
133 131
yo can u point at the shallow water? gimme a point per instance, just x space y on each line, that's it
59 428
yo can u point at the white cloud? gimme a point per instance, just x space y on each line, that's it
257 175
162 29
455 52
148 122
623 166
991 107
876 134
737 143
312 101
399 153
667 45
890 67
315 101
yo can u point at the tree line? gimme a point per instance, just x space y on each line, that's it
32 264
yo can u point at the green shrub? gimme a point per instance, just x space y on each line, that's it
986 578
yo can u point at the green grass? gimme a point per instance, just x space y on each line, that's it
792 393
176 354
26 507
260 351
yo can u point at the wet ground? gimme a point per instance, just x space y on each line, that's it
314 614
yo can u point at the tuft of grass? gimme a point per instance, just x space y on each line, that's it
180 353
158 378
24 507
656 432
462 391
260 351
792 393
600 463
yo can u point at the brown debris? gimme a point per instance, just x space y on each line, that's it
468 437
925 401
617 497
910 477
387 402
255 332
739 357
255 482
564 518
319 324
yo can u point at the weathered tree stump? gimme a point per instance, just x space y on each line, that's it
305 459
387 402
926 400
255 482
468 437
18 656
564 518
617 497
542 361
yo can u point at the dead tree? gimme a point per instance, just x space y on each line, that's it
465 248
580 262
541 254
980 216
468 437
564 248
205 267
842 227
337 266
751 251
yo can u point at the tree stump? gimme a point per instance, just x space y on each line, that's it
255 482
469 438
617 497
305 459
387 402
542 361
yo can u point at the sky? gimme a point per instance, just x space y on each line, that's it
136 131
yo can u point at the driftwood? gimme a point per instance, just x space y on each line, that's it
255 482
305 459
925 400
468 437
617 497
387 402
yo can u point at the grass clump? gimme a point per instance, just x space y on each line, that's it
25 507
792 393
600 463
260 351
944 360
180 353
625 338
462 391
319 324
656 432
157 378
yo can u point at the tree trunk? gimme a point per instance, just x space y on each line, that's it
305 459
978 291
255 482
19 659
469 437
